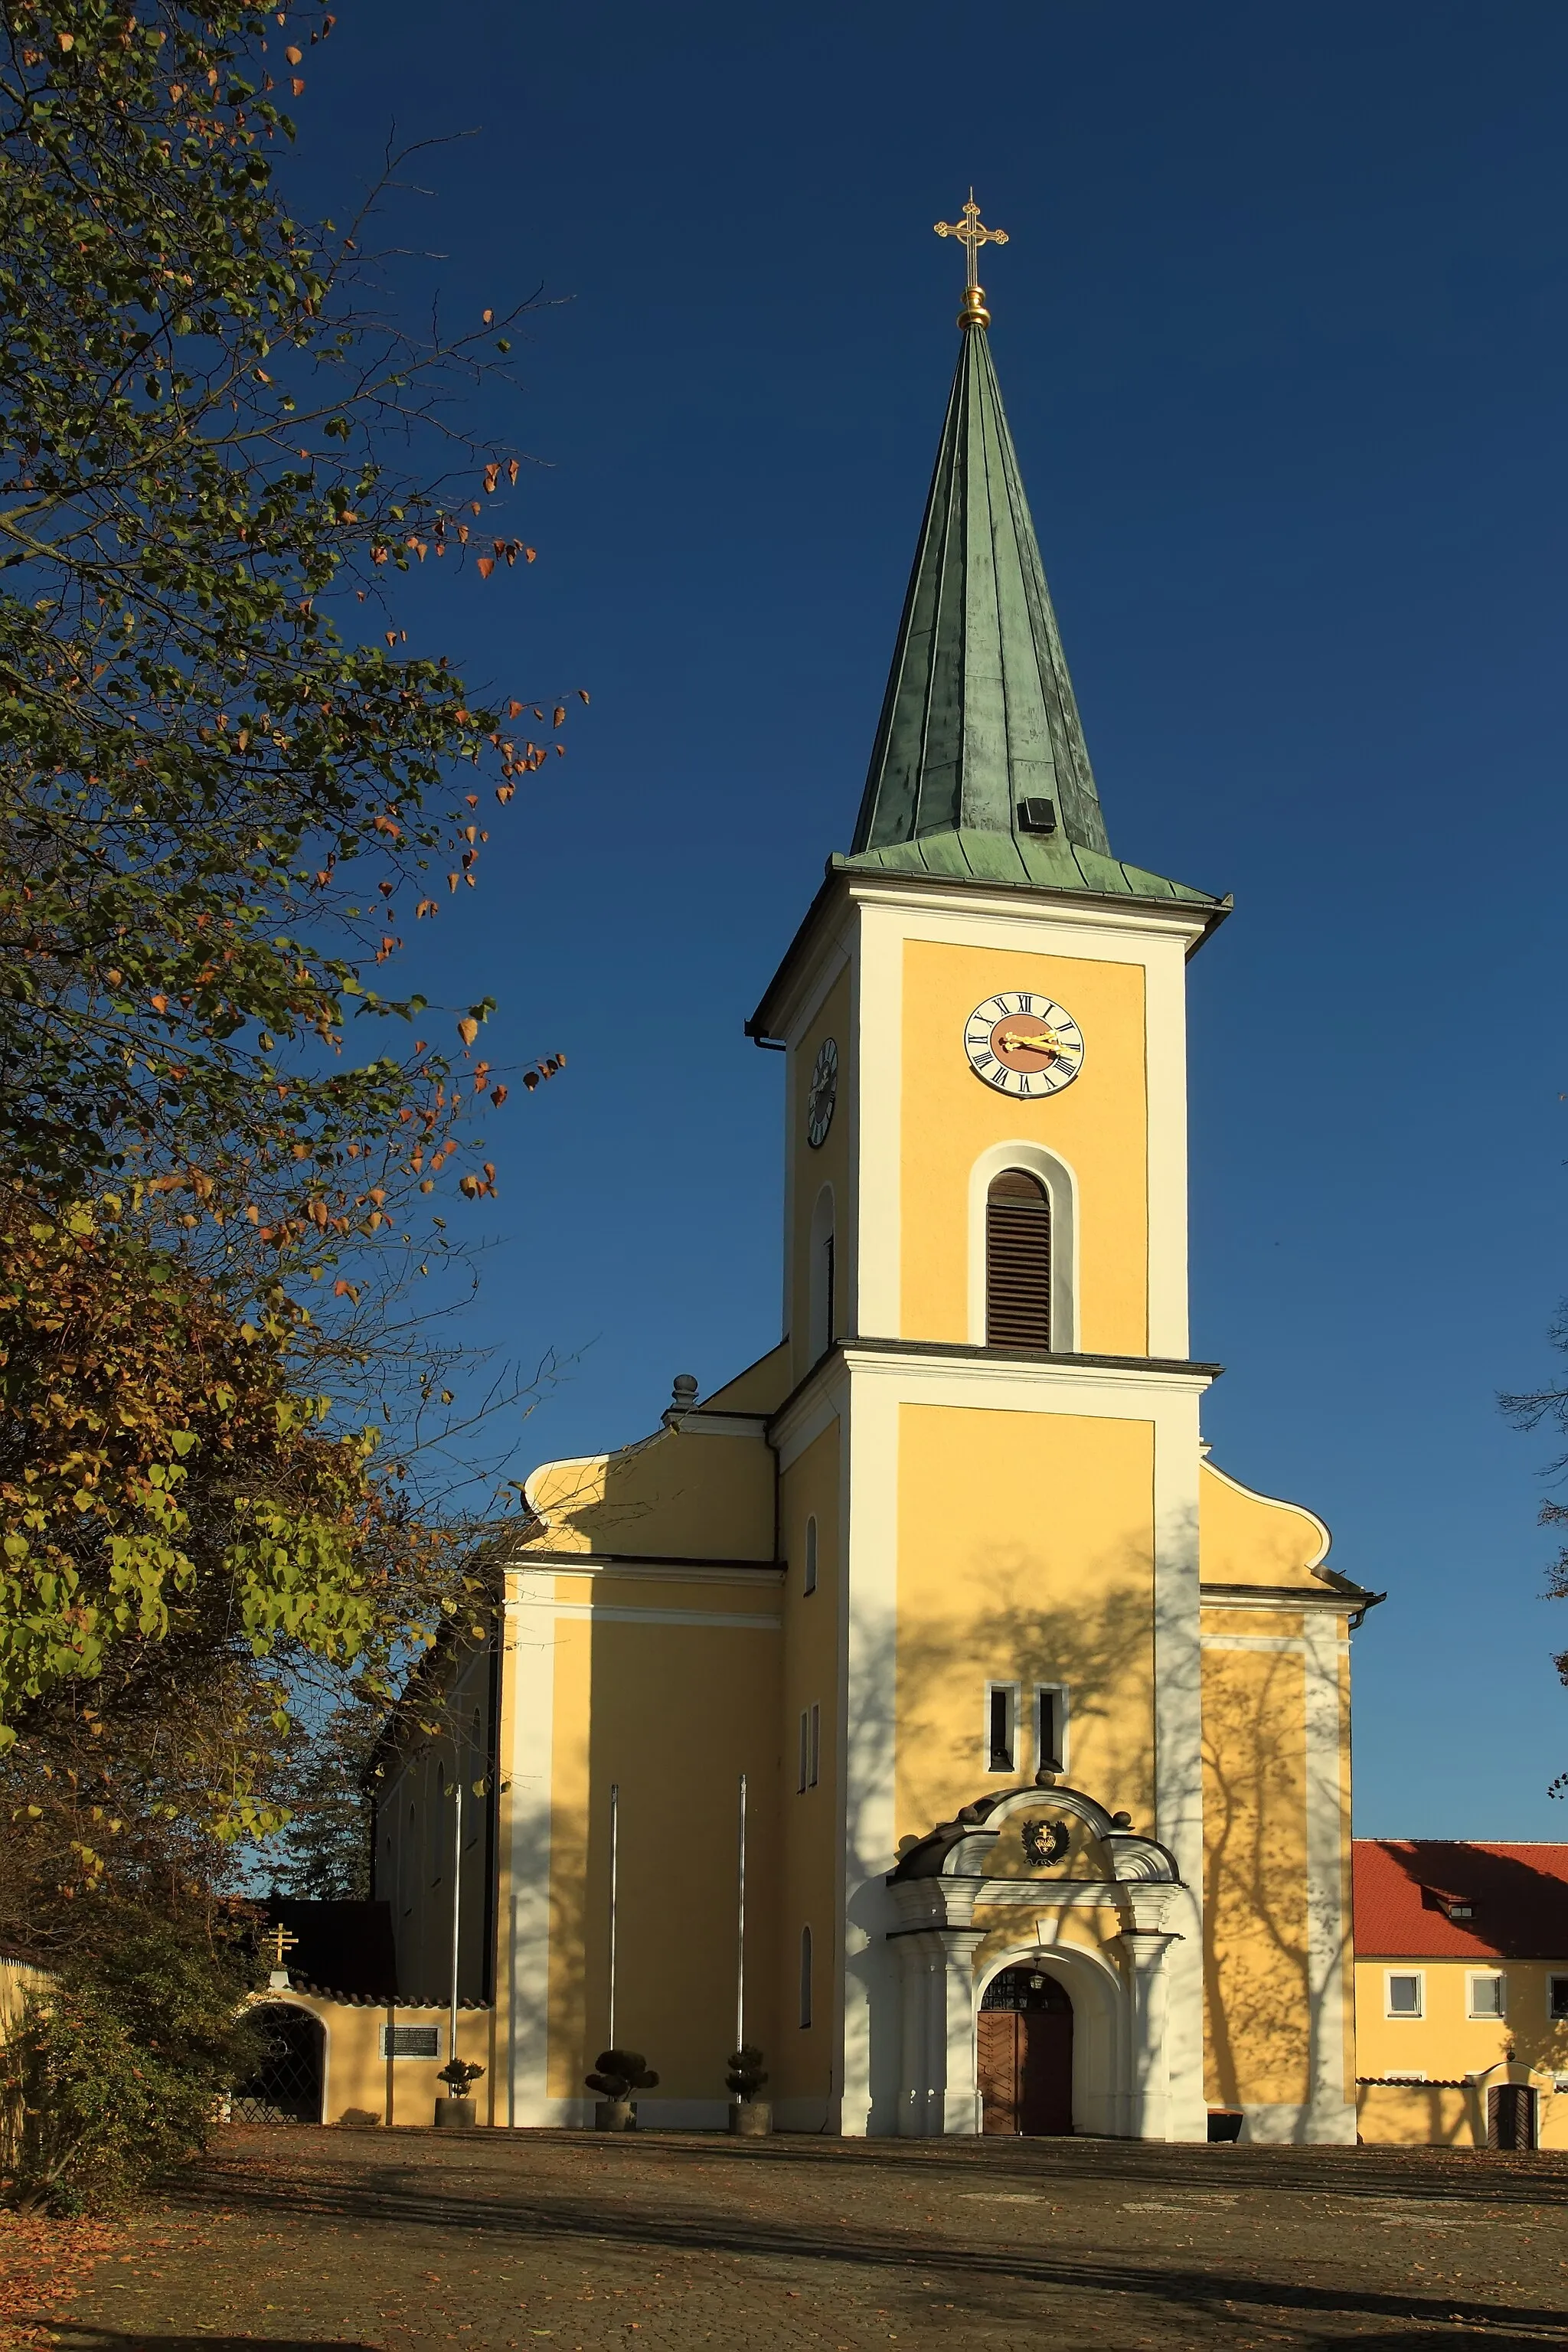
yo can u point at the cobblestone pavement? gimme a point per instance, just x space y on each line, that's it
390 2240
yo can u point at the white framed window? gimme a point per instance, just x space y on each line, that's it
1051 1726
1486 1993
1405 1992
411 2042
805 1976
1001 1726
813 1757
1557 1998
808 1583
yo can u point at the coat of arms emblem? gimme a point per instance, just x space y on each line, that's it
1045 1840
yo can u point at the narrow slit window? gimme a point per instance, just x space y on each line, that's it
815 1759
1050 1728
1017 1262
821 1313
999 1727
805 1751
810 1582
806 1975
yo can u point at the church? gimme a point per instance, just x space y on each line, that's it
1040 1717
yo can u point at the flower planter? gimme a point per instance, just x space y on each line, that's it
615 2115
751 2118
455 2114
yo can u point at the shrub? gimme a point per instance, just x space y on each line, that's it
619 2073
114 2073
746 2075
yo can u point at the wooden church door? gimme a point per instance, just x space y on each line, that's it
1511 2115
1025 2054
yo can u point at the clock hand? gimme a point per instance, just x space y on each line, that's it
1012 1041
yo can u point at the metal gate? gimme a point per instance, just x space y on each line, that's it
286 2088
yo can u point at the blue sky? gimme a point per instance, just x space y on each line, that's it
1282 330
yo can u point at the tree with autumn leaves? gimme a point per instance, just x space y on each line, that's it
228 796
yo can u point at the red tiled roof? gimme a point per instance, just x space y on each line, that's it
1404 1889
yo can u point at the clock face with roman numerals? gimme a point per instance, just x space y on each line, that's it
824 1093
1023 1045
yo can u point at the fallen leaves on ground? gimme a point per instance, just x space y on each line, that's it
43 2263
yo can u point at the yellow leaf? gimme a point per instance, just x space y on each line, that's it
467 1029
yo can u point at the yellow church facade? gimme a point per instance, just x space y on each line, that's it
1043 1718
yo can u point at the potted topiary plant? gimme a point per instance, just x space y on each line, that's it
457 2106
751 2118
616 2074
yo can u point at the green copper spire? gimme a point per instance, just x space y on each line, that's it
980 767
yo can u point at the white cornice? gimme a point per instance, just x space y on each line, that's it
654 1571
1040 1375
699 1422
1020 907
1275 1597
815 1406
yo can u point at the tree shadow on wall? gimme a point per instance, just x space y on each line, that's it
1101 1650
1265 1968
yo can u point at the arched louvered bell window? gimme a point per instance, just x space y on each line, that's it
1017 1262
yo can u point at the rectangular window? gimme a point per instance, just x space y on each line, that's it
1485 1994
814 1761
1557 1997
1404 1994
810 1578
411 2042
805 1977
1001 1726
1051 1728
805 1751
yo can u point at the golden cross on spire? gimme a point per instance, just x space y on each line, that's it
971 234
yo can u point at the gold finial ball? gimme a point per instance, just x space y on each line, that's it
975 313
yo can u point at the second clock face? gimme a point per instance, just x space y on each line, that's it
1023 1045
824 1093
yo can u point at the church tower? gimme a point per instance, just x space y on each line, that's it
986 1218
1043 1719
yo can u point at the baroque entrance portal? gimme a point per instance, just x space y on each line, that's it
1024 2053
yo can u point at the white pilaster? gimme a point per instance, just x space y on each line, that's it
1148 2090
1178 1751
529 1636
1332 2102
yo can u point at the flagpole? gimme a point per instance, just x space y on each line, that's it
614 1827
456 1924
741 1924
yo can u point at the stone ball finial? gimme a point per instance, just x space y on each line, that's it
682 1397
